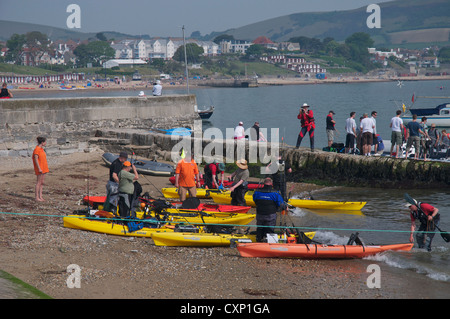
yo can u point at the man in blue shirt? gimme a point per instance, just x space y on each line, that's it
268 202
414 136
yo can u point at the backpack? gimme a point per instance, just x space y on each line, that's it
190 203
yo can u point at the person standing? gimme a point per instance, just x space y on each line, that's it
367 134
256 134
126 188
350 128
240 181
306 117
40 166
239 131
157 88
279 170
268 202
396 135
429 218
434 135
112 187
374 137
5 93
424 139
187 177
330 127
414 132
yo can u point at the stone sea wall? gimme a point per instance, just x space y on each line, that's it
68 123
318 167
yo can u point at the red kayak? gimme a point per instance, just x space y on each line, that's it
315 251
94 201
226 184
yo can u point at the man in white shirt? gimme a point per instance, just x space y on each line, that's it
396 135
157 88
350 128
239 131
375 139
367 127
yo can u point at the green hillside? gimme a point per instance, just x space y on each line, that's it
8 28
401 22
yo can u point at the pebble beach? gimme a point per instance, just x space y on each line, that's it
37 249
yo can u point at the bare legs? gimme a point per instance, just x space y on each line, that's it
38 188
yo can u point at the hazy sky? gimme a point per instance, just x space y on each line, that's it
166 17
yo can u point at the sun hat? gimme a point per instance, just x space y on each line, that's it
305 105
123 154
242 164
126 163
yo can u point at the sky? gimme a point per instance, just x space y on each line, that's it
164 18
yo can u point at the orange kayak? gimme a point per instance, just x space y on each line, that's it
315 251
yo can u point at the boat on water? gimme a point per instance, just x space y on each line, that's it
206 113
323 204
439 115
143 166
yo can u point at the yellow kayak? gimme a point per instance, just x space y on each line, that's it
197 218
225 198
322 204
172 192
203 239
108 226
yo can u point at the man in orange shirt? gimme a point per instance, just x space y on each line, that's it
40 166
187 177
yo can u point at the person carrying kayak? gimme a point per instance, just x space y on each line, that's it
429 219
306 117
268 201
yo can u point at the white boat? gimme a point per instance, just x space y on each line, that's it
439 115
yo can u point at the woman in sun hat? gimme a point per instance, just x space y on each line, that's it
239 187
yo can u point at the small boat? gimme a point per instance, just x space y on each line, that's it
206 113
172 192
144 167
177 131
224 198
109 226
322 204
226 184
201 218
189 239
176 207
315 251
439 115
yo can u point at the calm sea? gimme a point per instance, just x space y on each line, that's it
384 219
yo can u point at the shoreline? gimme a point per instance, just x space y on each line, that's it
264 81
37 249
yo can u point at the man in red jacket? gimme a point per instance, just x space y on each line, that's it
306 117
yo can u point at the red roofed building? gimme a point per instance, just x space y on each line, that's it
265 42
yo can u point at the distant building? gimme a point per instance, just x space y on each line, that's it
235 46
123 63
298 65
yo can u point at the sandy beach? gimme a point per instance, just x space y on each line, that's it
36 248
